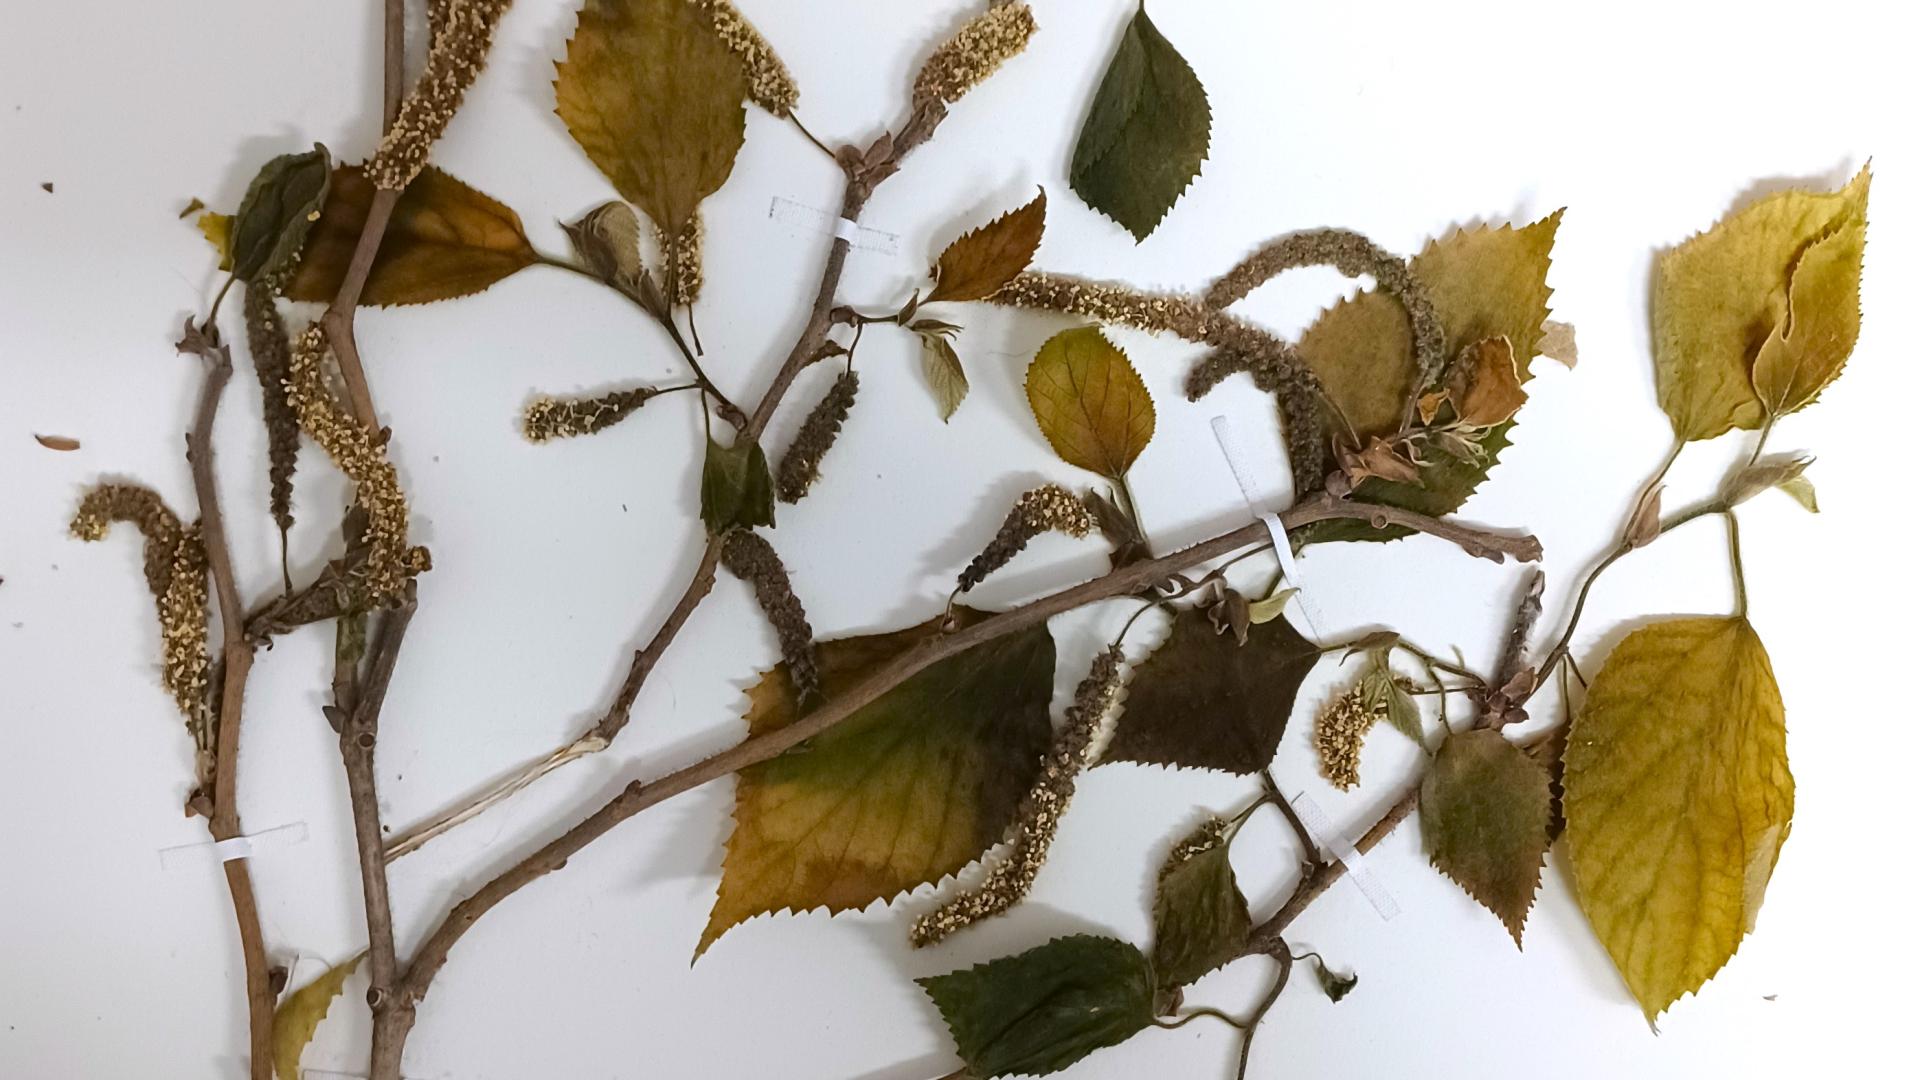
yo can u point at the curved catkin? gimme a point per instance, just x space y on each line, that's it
1341 730
1051 508
140 507
769 84
680 259
751 559
1038 818
267 343
800 466
548 418
454 61
362 455
974 52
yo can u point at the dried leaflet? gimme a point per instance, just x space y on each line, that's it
1200 917
976 265
1483 815
1089 402
1146 133
607 239
299 1016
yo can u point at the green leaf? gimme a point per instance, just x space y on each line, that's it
299 1016
654 96
1736 291
1336 985
1090 402
910 788
1483 815
1383 692
1203 701
1200 918
976 265
1146 134
944 373
1678 798
445 240
736 488
281 204
1044 1009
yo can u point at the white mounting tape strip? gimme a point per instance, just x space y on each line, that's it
265 842
1349 856
1282 547
800 217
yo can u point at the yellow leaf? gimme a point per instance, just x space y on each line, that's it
976 265
1677 800
655 97
1809 346
1718 298
444 240
218 229
1089 402
299 1016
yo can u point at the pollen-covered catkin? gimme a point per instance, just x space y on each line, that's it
974 52
751 559
1038 818
1341 730
1050 508
267 343
769 84
455 59
548 418
800 466
109 503
680 259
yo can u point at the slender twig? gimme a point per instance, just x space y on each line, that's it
1284 959
1309 849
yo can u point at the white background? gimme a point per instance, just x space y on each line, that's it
1647 120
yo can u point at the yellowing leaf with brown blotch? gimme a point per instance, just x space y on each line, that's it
1720 296
1811 344
654 96
1677 799
1484 384
299 1016
976 265
445 240
909 789
1484 806
1089 402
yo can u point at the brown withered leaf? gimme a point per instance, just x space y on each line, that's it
1483 815
1643 527
57 442
1204 701
1378 459
1089 402
976 265
1777 470
654 96
607 239
909 789
1430 403
445 240
1557 343
1484 383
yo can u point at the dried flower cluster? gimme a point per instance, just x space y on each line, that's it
800 467
1038 818
680 261
463 35
362 455
563 418
267 342
974 52
1050 508
1341 730
176 569
769 84
751 559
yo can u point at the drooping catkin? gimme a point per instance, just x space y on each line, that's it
267 343
1037 820
680 260
455 59
1050 508
109 503
548 418
362 455
800 466
752 559
769 84
1341 730
974 52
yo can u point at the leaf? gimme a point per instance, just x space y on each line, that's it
445 240
1202 701
1484 384
1802 491
976 265
1264 611
1044 1009
57 442
1200 917
1146 133
1678 798
299 1016
281 204
1381 692
1379 459
1557 343
1336 985
1483 815
944 373
909 789
1774 471
1089 402
654 96
736 488
1719 298
218 229
607 239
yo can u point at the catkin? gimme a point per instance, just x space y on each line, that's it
680 260
751 559
769 84
267 342
800 466
548 418
974 52
1038 818
1050 508
1341 730
463 35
